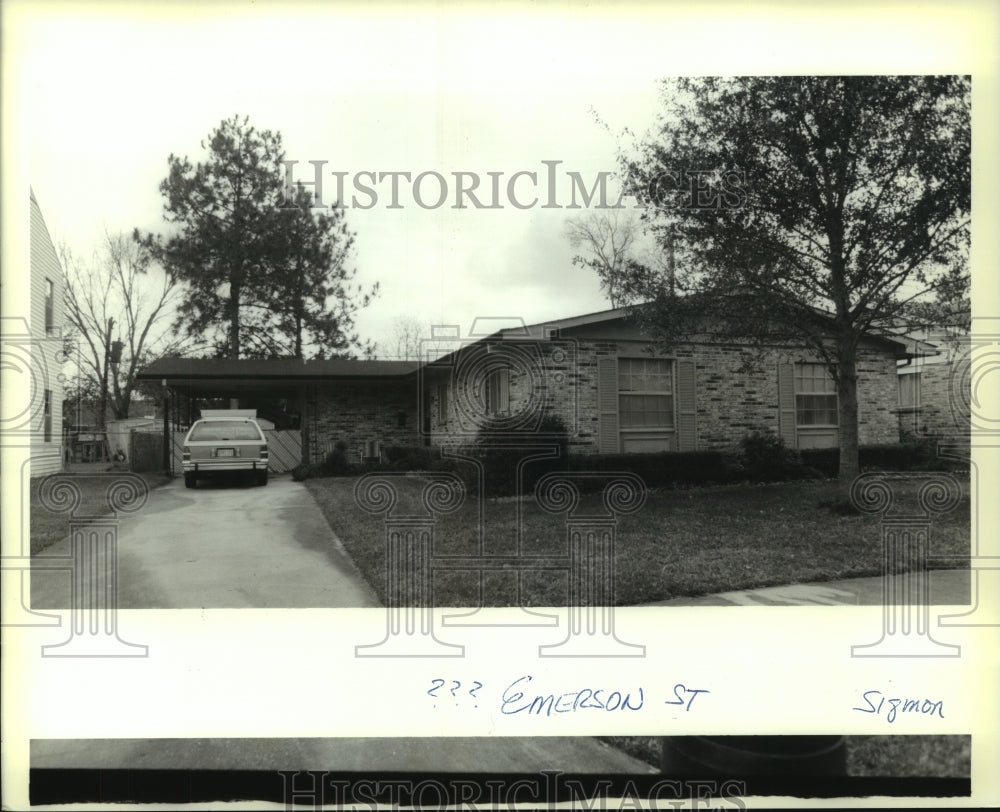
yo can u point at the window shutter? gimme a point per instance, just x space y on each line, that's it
687 436
786 404
503 385
607 405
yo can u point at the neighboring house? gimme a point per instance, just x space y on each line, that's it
596 372
934 389
46 319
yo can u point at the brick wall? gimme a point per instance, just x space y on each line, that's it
736 391
878 398
937 415
545 379
358 411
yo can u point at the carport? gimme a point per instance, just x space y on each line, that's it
316 403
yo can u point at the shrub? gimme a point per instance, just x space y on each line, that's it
912 456
410 457
501 463
767 460
336 462
304 471
667 468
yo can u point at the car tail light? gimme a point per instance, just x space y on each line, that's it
263 453
186 455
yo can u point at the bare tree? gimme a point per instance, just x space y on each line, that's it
614 244
406 337
118 308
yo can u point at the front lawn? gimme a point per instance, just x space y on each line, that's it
681 543
46 527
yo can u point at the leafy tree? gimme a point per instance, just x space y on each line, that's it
116 297
258 268
808 208
312 298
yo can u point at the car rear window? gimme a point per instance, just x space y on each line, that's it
225 430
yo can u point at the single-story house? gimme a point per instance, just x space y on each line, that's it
600 374
597 372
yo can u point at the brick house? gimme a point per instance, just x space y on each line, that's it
596 372
599 374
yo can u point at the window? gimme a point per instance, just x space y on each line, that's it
645 393
497 394
909 391
47 415
216 430
50 297
815 396
442 396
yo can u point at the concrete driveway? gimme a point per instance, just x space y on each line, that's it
224 545
231 545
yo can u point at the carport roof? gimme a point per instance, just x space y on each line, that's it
274 368
202 373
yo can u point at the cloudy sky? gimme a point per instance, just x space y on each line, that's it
107 92
113 93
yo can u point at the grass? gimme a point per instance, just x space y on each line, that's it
47 528
875 756
681 543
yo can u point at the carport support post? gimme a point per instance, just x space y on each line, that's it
167 456
304 425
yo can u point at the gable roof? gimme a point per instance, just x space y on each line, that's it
904 346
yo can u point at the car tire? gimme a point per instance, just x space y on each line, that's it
189 480
262 477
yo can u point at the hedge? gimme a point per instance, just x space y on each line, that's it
892 457
757 463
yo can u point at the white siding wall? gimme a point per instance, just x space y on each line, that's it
46 457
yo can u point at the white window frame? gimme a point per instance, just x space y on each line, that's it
671 394
797 380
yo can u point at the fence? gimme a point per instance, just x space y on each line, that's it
146 450
284 449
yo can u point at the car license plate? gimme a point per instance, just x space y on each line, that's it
225 452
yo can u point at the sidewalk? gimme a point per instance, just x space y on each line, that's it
567 754
947 587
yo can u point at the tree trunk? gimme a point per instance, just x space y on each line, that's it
847 400
234 319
